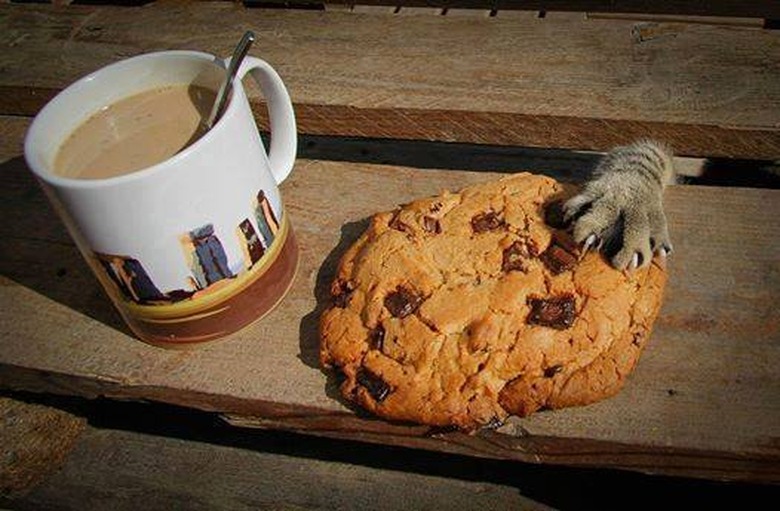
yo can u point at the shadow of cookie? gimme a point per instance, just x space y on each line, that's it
309 326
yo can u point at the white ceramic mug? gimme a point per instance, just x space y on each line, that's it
199 245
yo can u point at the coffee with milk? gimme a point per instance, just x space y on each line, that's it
135 132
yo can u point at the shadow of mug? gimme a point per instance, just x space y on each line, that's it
38 253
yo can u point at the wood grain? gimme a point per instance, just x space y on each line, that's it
752 8
110 468
561 81
177 459
704 400
34 442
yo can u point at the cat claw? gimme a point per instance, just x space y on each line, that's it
664 251
635 261
589 243
621 209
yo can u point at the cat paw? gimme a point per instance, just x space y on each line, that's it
620 211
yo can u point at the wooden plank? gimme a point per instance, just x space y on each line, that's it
109 468
34 442
562 81
209 466
674 18
716 343
751 8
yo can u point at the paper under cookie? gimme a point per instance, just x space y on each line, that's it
464 308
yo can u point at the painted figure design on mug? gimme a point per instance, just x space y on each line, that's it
130 277
254 247
266 219
210 261
205 255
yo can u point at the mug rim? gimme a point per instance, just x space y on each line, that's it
46 174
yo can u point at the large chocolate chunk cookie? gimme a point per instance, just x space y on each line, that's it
467 307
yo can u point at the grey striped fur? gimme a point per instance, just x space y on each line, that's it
620 210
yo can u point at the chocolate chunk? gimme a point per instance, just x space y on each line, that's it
398 225
557 259
553 370
557 312
341 292
484 222
375 385
402 302
376 338
533 248
514 257
431 224
567 243
554 215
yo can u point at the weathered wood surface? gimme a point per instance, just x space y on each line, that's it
753 8
704 400
110 469
559 81
183 459
723 8
91 468
34 442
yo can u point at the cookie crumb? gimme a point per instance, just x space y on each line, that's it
514 257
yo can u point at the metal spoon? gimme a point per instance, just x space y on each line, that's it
227 85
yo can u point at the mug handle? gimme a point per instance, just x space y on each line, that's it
284 139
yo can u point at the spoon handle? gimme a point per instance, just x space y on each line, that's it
227 85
